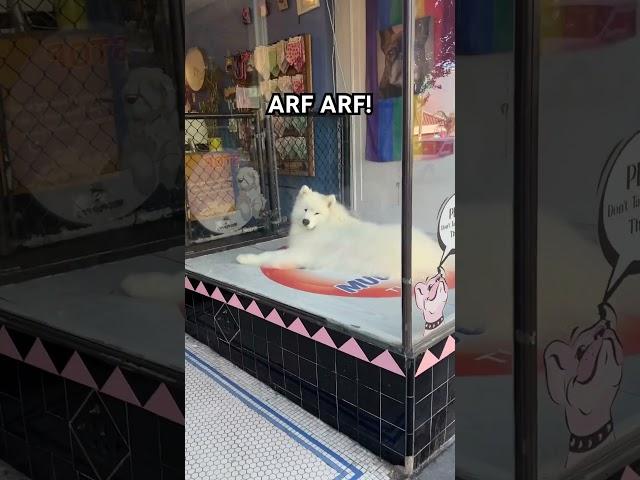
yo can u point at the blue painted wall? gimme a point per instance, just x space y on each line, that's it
218 28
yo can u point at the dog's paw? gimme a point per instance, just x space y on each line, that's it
247 259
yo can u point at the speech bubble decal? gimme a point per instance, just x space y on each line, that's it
447 228
619 215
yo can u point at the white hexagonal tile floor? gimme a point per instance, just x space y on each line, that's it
239 429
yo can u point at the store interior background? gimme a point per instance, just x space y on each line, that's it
376 186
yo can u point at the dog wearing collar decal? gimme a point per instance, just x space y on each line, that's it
584 376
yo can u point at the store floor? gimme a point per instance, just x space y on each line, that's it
238 428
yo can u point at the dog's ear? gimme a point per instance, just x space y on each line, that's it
304 190
331 201
560 366
385 39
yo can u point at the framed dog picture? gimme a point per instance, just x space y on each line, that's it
305 6
283 5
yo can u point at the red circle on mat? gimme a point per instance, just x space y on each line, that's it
312 282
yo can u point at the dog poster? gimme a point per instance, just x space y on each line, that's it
434 54
390 57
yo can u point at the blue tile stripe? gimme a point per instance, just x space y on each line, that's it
343 467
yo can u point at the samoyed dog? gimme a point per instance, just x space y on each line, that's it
325 236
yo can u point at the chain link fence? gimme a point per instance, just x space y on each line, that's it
238 183
227 182
90 129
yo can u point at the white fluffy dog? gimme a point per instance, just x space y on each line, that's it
324 235
150 149
250 199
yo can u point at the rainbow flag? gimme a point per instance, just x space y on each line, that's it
384 125
484 26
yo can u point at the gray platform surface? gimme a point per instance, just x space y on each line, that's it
376 317
86 303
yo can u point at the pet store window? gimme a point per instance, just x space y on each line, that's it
88 122
333 297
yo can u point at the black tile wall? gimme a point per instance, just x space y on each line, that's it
390 414
435 409
52 428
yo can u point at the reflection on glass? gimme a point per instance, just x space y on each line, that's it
588 240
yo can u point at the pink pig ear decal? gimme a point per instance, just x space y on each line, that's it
560 366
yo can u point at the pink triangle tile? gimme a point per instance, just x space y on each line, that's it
254 309
298 327
38 357
449 348
202 290
274 317
322 336
117 386
629 474
386 361
77 371
428 361
187 284
217 295
352 348
234 301
7 347
162 403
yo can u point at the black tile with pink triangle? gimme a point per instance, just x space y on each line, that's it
315 366
67 414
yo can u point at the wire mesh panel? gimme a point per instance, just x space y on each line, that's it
314 151
236 183
89 122
227 182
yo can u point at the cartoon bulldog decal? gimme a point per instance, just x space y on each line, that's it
431 298
583 376
431 295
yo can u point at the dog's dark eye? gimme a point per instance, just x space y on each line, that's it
305 209
317 214
580 352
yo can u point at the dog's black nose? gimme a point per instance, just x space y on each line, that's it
131 98
305 222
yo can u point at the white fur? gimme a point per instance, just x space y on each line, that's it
335 240
155 286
